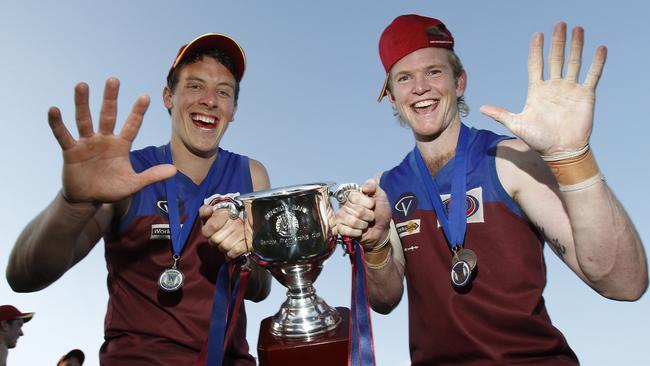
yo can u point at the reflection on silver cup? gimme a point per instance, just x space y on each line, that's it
289 230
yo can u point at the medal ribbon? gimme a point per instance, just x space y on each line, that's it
361 349
180 234
454 223
225 308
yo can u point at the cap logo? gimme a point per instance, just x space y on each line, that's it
437 31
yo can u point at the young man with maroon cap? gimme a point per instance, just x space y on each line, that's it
11 328
75 357
161 274
471 210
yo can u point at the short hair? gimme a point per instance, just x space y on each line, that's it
12 321
213 53
457 70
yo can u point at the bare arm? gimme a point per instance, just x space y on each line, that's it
583 221
96 172
54 241
587 228
228 235
367 216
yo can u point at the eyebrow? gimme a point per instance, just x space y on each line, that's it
432 66
196 78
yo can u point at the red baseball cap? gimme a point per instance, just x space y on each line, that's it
215 40
409 33
8 312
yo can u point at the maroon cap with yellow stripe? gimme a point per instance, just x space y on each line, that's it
224 43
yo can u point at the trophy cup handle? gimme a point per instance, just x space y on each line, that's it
342 191
230 201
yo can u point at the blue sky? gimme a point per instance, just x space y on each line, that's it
308 111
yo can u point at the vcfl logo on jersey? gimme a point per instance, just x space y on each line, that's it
406 204
473 205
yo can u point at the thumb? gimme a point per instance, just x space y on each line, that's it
156 173
499 114
205 212
369 187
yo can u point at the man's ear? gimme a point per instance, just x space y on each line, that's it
391 97
234 111
461 84
167 98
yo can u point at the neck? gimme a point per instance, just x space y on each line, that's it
195 166
4 351
438 151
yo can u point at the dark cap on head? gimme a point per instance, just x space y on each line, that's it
409 33
76 353
8 312
224 43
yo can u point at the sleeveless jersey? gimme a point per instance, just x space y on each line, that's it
145 325
500 318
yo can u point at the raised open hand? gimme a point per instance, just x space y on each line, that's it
96 167
558 114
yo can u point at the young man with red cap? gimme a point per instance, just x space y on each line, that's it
161 273
11 328
470 210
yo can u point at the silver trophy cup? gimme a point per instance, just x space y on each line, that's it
289 231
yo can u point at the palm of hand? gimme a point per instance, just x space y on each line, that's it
97 167
557 116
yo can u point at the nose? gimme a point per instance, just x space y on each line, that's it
209 98
421 86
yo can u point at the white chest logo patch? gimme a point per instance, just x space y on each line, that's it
473 205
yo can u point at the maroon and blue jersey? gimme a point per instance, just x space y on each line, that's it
145 325
500 317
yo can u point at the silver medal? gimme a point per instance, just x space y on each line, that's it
171 279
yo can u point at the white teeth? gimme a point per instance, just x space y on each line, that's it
204 119
423 103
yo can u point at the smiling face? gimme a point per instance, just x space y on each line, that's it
424 91
202 105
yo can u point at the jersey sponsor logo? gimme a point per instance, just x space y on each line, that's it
473 205
160 231
406 205
409 227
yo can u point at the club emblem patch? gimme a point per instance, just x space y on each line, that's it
406 205
473 205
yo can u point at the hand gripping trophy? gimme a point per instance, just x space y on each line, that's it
289 232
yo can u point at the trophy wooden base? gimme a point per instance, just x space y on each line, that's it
327 350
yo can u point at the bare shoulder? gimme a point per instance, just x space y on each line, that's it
259 175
